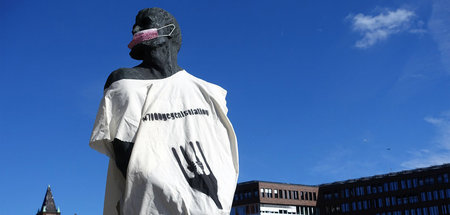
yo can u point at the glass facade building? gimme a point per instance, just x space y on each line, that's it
422 191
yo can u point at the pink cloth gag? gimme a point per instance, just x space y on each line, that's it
142 36
148 34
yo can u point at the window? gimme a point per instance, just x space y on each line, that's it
315 197
391 186
444 209
262 192
289 194
415 183
403 183
446 178
435 195
394 201
423 196
409 183
434 210
419 212
386 186
275 193
388 201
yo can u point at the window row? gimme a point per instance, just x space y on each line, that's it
386 187
392 201
288 194
433 210
245 195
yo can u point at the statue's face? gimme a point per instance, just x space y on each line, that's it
154 18
148 19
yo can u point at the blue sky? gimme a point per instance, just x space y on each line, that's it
318 91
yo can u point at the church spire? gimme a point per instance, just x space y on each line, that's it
48 206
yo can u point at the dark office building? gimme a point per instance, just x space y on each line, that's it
424 191
263 198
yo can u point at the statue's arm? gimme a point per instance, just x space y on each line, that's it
122 149
122 153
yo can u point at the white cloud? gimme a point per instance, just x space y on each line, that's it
380 27
439 153
439 25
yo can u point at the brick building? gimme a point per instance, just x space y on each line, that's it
258 197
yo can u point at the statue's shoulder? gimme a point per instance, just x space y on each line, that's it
122 73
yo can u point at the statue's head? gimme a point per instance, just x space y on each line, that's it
156 18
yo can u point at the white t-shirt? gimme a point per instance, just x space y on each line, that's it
185 156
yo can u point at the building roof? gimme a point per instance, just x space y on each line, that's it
392 174
49 203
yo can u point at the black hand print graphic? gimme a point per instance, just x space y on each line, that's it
202 182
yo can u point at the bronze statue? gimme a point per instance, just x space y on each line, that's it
171 145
